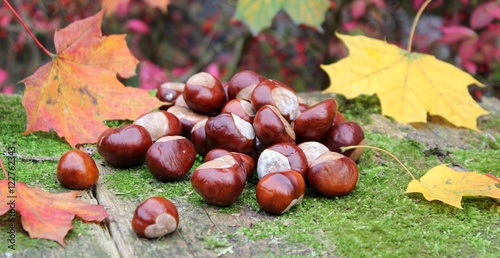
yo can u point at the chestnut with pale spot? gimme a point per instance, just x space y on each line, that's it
277 192
155 217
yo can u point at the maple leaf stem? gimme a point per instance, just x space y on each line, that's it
343 149
4 170
28 29
415 21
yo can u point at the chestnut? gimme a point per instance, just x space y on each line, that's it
246 162
159 124
333 174
219 181
199 138
280 157
241 80
170 158
312 150
339 118
77 170
313 123
271 127
204 94
168 92
187 117
343 135
124 146
230 132
240 107
278 192
155 217
275 93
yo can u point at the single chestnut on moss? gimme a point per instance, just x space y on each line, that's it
333 174
124 146
278 192
77 170
155 217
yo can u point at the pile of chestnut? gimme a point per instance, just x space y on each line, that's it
250 123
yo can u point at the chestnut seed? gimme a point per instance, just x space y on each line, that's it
199 138
168 92
333 174
275 93
159 124
312 150
241 80
219 181
204 94
77 170
124 146
280 157
187 117
170 158
155 217
240 107
230 132
313 123
277 192
271 127
246 162
345 134
339 118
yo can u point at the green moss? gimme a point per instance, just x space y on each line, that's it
35 157
378 219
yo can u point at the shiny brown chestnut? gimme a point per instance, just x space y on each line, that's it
230 132
199 138
271 127
77 170
240 107
333 174
170 158
313 123
159 124
241 80
204 94
168 92
246 162
277 192
155 217
345 134
339 118
275 93
124 146
280 157
187 117
312 150
219 181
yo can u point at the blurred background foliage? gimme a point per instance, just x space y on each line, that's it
174 39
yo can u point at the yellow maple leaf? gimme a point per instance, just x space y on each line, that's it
449 186
408 84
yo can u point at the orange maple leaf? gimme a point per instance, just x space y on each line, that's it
79 89
46 215
447 185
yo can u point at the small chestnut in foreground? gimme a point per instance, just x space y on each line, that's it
170 158
124 146
343 135
77 170
155 217
219 181
278 192
333 174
